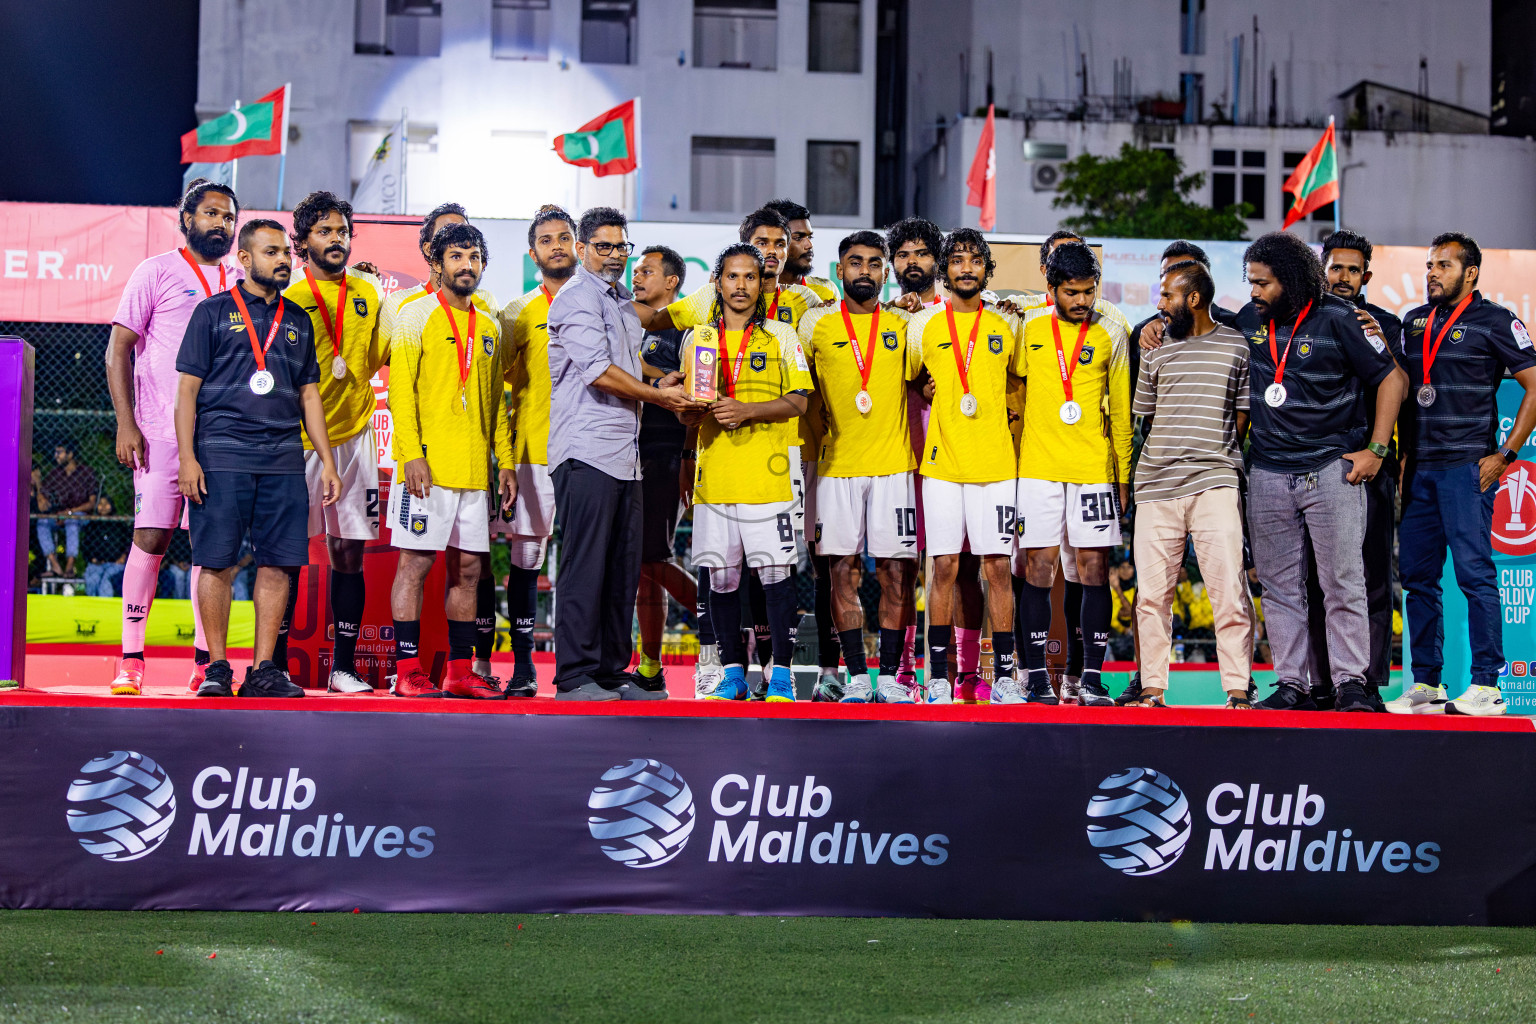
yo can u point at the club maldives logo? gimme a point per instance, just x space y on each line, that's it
1514 510
121 806
1139 821
642 813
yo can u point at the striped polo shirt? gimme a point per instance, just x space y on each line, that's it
1193 388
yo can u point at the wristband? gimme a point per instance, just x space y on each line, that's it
1378 450
1509 454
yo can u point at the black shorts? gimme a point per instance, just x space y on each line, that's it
659 500
272 507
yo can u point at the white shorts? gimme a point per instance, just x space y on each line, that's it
445 518
355 516
725 536
533 515
1067 515
802 481
874 512
979 513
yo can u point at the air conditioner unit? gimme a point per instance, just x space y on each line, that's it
1045 175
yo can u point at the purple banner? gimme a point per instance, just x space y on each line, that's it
16 378
315 810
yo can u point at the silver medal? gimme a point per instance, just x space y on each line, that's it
1070 412
968 405
339 368
863 402
1426 396
262 382
1274 396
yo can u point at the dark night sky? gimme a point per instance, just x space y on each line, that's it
96 96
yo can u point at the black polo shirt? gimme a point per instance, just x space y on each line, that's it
1462 425
662 350
1331 367
1392 327
239 431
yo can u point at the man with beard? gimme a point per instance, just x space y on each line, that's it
1458 347
525 333
445 391
1074 462
1194 391
147 332
343 305
969 349
1311 449
861 364
801 258
247 378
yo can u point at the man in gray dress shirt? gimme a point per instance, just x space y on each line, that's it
594 422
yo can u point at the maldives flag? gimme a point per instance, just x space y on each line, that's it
608 143
256 129
1315 181
982 180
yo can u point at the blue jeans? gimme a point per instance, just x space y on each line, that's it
102 579
1444 509
47 539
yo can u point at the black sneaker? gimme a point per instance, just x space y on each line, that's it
1040 691
1373 697
269 681
1352 697
1322 696
218 681
1287 698
649 683
1132 691
523 684
1091 693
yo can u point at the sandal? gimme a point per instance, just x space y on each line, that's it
1148 699
1236 703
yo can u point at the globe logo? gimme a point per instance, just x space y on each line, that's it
642 813
121 806
1139 821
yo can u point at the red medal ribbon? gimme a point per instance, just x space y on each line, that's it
1061 355
466 353
865 363
1280 359
325 315
954 335
259 351
1434 350
734 374
197 268
773 310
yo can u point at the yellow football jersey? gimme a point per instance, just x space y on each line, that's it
750 465
349 402
825 290
405 298
525 347
455 428
967 449
1078 453
855 443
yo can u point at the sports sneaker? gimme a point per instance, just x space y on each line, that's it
1419 699
914 687
218 680
342 681
889 691
707 672
1287 698
858 690
198 674
1040 691
129 681
634 688
1323 698
732 686
760 684
908 677
1007 691
1373 697
939 692
965 687
417 684
829 687
1132 691
1480 701
1091 693
1351 697
269 681
1071 690
522 685
983 691
473 686
649 684
781 687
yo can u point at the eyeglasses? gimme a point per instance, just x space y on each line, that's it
609 248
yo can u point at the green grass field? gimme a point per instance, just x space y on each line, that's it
127 968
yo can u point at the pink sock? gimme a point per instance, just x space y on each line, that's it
908 662
141 575
199 641
967 650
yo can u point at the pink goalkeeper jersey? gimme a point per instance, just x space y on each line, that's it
157 302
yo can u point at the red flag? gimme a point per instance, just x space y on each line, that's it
982 181
1315 181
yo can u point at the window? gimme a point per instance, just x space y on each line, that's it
1192 26
1223 183
1322 213
608 31
736 34
832 178
398 28
520 29
835 42
1253 182
731 175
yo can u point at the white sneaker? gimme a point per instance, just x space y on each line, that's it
858 690
939 692
707 672
1419 699
889 691
1481 701
1071 690
342 681
1007 691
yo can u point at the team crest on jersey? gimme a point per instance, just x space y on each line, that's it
995 344
759 362
418 525
360 305
1304 349
1085 356
488 343
888 339
293 336
1456 335
818 533
651 347
786 315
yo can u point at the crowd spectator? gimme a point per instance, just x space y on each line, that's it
104 573
69 491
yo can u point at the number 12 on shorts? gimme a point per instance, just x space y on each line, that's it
1005 520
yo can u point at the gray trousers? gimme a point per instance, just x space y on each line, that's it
1283 508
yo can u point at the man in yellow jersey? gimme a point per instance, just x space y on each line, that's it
800 259
525 347
343 304
445 392
862 365
742 498
967 461
1074 460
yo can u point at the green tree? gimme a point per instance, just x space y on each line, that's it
1142 193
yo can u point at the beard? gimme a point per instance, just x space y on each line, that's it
916 279
210 245
1279 311
277 279
1181 322
457 285
333 259
965 289
1345 292
801 266
556 273
861 289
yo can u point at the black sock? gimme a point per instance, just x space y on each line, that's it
783 620
938 651
348 596
522 607
852 643
280 648
1037 625
725 610
199 656
1095 630
485 618
706 623
1020 633
1002 654
1072 605
461 639
826 629
407 638
891 643
140 656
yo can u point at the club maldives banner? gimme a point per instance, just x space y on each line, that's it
301 810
